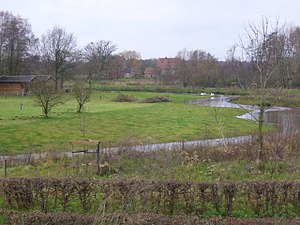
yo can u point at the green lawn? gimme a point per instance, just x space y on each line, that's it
23 128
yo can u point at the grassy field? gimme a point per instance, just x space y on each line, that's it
23 129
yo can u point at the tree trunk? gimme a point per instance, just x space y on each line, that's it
260 138
61 83
79 107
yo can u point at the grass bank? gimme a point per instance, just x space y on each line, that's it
285 98
23 129
235 162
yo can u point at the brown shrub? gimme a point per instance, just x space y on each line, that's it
142 218
157 99
166 197
124 98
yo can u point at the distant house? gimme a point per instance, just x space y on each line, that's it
19 85
150 72
128 73
167 66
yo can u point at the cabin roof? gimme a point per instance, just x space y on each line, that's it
23 78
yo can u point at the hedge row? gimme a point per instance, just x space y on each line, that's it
37 218
206 199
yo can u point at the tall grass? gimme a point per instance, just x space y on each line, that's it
235 162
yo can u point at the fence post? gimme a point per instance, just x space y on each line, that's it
77 165
182 145
98 158
66 166
5 168
85 162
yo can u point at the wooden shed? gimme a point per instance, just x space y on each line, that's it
19 85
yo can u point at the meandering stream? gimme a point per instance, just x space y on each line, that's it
286 120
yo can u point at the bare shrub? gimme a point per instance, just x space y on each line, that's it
51 219
157 99
141 218
124 98
166 197
46 96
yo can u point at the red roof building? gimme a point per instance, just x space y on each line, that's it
151 72
167 66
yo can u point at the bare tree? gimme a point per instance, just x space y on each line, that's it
206 66
132 59
264 47
81 93
17 43
58 50
46 96
116 65
293 60
97 56
234 70
197 67
183 73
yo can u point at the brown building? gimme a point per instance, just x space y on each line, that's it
151 72
19 85
167 65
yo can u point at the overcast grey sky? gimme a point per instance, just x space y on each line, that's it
155 28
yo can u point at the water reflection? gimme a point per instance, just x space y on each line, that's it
285 119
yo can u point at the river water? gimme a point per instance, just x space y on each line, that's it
286 120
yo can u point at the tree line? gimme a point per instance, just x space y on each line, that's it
266 47
56 53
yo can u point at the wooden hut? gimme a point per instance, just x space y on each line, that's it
19 85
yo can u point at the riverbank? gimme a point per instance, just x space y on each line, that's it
289 99
285 120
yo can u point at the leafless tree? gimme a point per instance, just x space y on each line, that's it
58 51
207 67
81 93
17 43
264 47
132 59
97 56
197 67
183 71
46 96
293 60
115 66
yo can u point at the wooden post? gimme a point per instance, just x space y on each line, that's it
77 165
98 158
66 167
85 162
182 145
97 152
5 168
72 163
